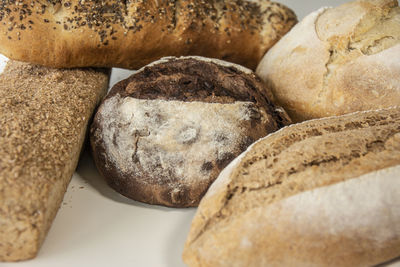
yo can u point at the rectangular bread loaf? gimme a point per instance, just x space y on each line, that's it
44 114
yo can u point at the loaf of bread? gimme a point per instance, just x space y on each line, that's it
163 135
130 34
337 61
43 119
321 193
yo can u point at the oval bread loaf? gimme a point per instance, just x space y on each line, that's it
320 193
163 135
338 60
133 33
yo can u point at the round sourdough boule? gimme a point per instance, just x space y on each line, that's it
337 60
163 135
324 192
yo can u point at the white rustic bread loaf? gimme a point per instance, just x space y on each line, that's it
320 193
337 61
133 33
43 119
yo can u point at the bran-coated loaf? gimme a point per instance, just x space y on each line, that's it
43 120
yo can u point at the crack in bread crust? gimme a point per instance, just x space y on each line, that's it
376 30
337 61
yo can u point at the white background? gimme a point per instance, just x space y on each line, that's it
98 227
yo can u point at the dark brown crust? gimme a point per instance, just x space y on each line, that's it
189 79
137 189
184 80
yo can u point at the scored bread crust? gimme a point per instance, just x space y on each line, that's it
130 34
337 61
260 211
44 115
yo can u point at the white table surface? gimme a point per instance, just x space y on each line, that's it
98 227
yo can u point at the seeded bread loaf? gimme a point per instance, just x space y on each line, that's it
321 193
130 34
43 119
338 60
163 135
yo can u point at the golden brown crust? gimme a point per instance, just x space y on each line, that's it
337 61
248 203
43 118
133 33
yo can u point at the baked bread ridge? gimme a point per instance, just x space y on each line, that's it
164 134
248 198
131 34
337 61
43 122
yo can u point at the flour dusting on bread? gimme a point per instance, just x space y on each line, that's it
167 133
323 192
337 61
338 206
3 63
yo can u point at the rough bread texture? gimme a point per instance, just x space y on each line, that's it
164 134
43 119
311 194
337 61
131 34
